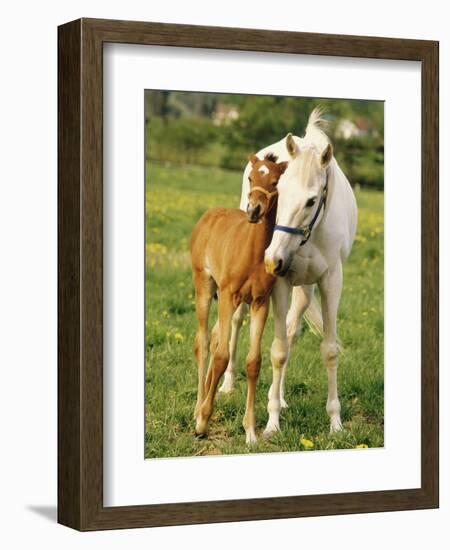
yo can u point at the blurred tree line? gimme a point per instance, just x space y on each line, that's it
223 129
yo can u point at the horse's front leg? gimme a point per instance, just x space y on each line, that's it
238 317
278 353
258 317
330 286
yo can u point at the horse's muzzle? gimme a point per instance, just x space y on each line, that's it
276 266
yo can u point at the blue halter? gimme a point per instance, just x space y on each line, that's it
306 230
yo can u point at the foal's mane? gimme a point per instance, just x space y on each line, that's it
271 157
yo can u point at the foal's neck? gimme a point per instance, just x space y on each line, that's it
262 232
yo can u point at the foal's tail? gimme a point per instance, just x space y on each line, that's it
314 320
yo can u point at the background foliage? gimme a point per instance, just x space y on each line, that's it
183 127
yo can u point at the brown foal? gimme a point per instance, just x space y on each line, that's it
227 255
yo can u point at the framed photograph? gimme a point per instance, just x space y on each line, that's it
248 274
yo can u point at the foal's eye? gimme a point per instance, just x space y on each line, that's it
311 202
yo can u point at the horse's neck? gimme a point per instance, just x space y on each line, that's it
340 191
337 226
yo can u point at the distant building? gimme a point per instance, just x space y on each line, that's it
224 113
347 129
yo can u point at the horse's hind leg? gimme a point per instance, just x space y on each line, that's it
204 291
301 298
228 382
257 324
330 289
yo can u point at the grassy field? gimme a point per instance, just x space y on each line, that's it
175 199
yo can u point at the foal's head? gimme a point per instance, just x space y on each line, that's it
263 180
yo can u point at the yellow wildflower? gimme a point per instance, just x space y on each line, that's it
307 443
362 446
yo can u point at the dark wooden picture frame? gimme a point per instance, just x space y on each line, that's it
80 274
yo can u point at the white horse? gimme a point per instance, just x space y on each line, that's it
316 225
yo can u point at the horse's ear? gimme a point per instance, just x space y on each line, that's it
291 146
327 155
253 159
282 167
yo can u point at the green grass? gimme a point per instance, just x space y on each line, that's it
175 198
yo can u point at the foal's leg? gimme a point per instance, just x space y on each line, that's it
278 353
204 291
258 319
301 298
330 287
228 382
218 363
213 343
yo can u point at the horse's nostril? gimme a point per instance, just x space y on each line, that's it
279 266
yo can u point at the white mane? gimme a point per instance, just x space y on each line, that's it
311 146
315 130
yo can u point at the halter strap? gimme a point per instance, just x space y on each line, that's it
269 194
305 231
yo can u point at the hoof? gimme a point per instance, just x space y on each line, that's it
335 425
270 431
251 439
201 428
226 391
226 387
283 404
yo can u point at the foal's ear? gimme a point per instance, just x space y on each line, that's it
291 146
253 159
282 167
326 155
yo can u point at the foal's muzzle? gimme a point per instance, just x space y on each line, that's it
253 213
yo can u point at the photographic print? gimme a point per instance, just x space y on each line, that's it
264 323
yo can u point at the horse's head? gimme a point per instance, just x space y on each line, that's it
263 180
301 195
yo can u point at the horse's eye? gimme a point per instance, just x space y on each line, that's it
311 202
